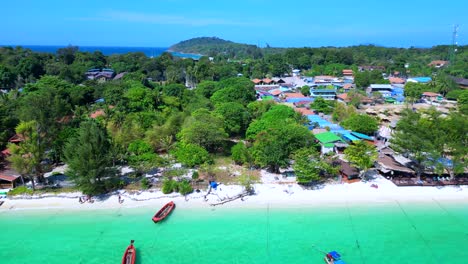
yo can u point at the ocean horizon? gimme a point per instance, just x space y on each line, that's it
106 50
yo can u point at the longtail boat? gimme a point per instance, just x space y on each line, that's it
333 257
164 212
129 256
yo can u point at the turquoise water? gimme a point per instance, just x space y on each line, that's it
388 233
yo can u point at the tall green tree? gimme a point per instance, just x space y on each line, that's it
88 158
362 155
26 157
203 129
308 166
413 137
361 123
273 147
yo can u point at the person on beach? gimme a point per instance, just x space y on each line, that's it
120 199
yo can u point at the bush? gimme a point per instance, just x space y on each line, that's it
191 155
185 187
145 184
240 154
167 186
195 175
20 190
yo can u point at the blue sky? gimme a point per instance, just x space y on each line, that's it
299 23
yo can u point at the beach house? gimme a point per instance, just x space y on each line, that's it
327 141
327 94
384 89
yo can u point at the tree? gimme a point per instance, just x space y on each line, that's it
463 102
272 147
413 91
191 155
241 154
277 115
362 155
361 123
207 88
203 129
235 116
26 157
305 90
307 165
88 158
342 112
412 138
322 106
235 90
141 156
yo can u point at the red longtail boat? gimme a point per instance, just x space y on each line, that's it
164 212
129 256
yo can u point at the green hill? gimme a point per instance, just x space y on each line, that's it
212 46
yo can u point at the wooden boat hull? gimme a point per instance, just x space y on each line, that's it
129 256
163 212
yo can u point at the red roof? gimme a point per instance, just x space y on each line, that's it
97 113
256 81
347 86
275 92
294 95
304 111
396 80
347 72
431 94
438 63
16 139
343 97
9 178
267 81
6 152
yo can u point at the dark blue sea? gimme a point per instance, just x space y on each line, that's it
148 51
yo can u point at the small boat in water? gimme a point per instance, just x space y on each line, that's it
164 212
333 257
129 256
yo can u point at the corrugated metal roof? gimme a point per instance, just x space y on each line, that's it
328 137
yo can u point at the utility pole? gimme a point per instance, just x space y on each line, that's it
453 47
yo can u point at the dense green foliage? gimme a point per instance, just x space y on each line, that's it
428 139
310 168
87 156
191 155
362 155
167 107
361 123
211 46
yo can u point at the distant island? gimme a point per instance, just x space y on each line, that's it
212 46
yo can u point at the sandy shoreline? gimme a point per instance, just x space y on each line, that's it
271 194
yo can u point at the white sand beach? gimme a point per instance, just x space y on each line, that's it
274 191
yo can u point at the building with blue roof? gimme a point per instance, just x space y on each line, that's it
419 79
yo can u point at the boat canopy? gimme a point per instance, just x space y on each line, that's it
339 261
335 255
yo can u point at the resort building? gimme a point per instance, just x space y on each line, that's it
327 141
371 68
430 96
438 63
8 181
384 89
101 75
396 80
347 72
327 94
419 80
